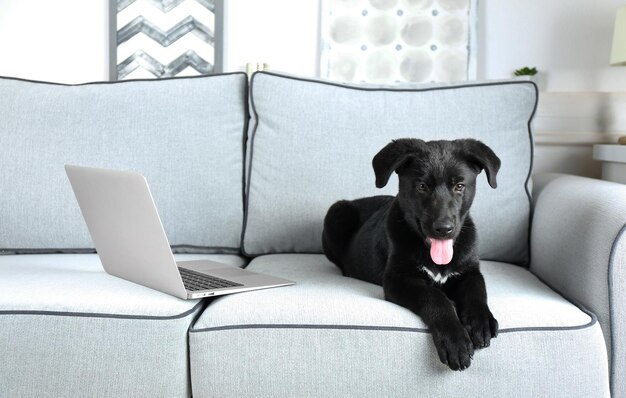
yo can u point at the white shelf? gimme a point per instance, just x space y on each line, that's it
613 159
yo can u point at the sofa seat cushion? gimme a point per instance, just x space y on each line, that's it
341 329
69 329
77 283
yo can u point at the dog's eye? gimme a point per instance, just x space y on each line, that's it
422 187
459 187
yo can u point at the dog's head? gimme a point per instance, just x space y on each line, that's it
437 185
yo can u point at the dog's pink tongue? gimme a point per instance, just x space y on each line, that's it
441 251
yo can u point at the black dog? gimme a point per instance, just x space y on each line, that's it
421 245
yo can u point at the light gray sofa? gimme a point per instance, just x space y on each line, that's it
243 173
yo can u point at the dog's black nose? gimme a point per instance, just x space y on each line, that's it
443 228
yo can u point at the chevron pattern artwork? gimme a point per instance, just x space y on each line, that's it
165 38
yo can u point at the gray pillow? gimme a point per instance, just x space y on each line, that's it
311 143
186 135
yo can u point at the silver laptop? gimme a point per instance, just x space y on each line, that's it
126 229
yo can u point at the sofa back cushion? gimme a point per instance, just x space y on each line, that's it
186 135
311 143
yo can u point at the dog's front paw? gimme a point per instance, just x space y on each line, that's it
481 326
454 346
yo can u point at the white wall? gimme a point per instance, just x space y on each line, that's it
61 40
568 40
281 33
67 40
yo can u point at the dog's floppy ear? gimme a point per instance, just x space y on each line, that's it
392 156
482 156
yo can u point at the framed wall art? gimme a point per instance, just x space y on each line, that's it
398 41
166 38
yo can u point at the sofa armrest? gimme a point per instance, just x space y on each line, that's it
578 246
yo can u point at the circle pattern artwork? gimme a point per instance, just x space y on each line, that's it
451 31
416 66
450 66
383 4
454 5
381 30
417 30
396 41
346 30
344 67
381 64
418 4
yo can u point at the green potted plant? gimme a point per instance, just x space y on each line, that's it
526 71
530 73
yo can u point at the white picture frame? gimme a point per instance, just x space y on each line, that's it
166 38
398 42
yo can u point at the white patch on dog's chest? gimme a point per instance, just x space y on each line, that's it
438 277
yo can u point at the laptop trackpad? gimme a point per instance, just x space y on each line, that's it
214 268
229 272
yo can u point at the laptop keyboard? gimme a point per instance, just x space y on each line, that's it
196 281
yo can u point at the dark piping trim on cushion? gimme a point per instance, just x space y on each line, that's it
176 249
102 315
388 89
200 249
621 234
592 322
122 81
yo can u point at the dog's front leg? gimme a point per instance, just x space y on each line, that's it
411 291
470 296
